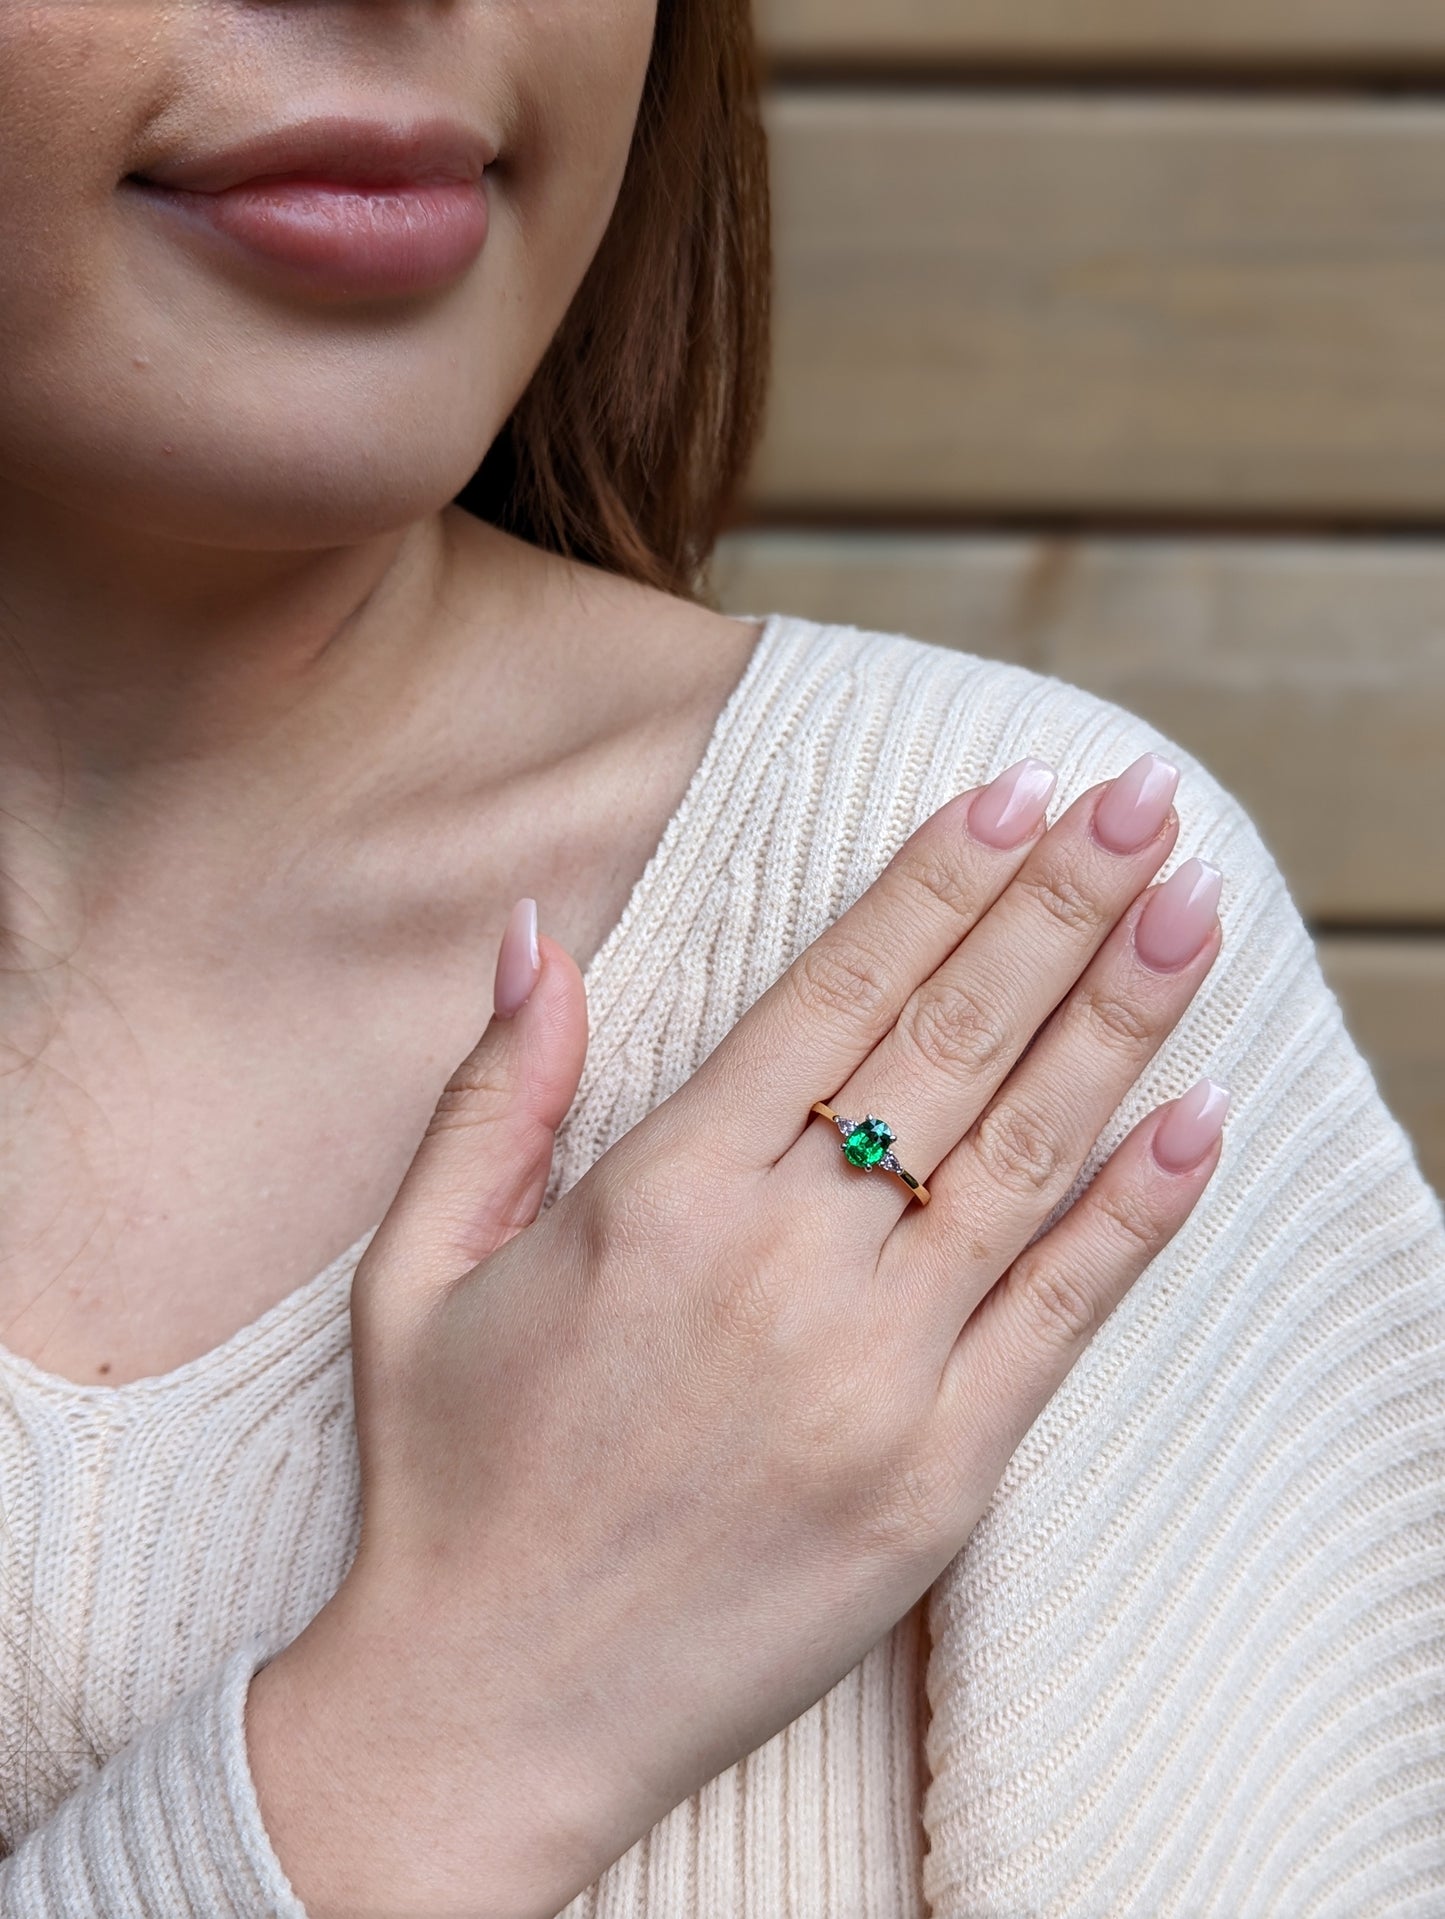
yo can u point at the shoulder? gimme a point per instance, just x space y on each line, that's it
892 727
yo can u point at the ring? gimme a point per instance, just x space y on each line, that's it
866 1143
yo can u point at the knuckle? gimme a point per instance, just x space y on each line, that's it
835 979
904 1510
1017 1150
1055 1305
632 1215
936 877
1066 902
477 1094
951 1027
870 1474
824 1428
1131 1219
744 1307
1113 1018
589 1244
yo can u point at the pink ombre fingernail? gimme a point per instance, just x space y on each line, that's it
1191 1126
1178 916
519 962
1136 805
1010 807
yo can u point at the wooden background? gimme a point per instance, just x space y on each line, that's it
1110 337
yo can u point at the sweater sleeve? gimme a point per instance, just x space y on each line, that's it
168 1828
1190 1661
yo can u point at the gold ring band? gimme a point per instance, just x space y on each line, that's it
866 1143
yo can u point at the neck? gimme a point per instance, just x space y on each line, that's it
192 726
132 661
175 715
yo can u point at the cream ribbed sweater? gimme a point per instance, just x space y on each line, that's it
1191 1662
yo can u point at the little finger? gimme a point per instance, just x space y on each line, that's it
1021 1156
1018 1347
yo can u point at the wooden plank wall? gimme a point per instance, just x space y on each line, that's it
1110 337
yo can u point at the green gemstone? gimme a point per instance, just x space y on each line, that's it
867 1144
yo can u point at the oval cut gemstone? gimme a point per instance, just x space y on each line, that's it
868 1142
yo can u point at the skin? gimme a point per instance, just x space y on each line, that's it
284 734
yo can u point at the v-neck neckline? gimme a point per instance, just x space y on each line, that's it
618 961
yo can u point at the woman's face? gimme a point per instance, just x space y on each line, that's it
159 382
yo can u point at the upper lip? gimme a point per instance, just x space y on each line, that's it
337 147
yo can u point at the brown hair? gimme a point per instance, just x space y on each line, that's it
629 444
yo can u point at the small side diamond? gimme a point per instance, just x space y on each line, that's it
890 1164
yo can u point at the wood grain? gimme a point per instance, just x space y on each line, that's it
1350 34
1308 676
1218 308
1392 995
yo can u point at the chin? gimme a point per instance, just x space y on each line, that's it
268 483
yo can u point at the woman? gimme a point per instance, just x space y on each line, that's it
479 1569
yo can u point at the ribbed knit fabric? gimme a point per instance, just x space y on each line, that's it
1190 1663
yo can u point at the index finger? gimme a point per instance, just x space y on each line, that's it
811 1029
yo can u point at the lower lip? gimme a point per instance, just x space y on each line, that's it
347 240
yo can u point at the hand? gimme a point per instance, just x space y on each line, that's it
645 1480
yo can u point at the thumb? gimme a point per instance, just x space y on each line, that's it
480 1172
